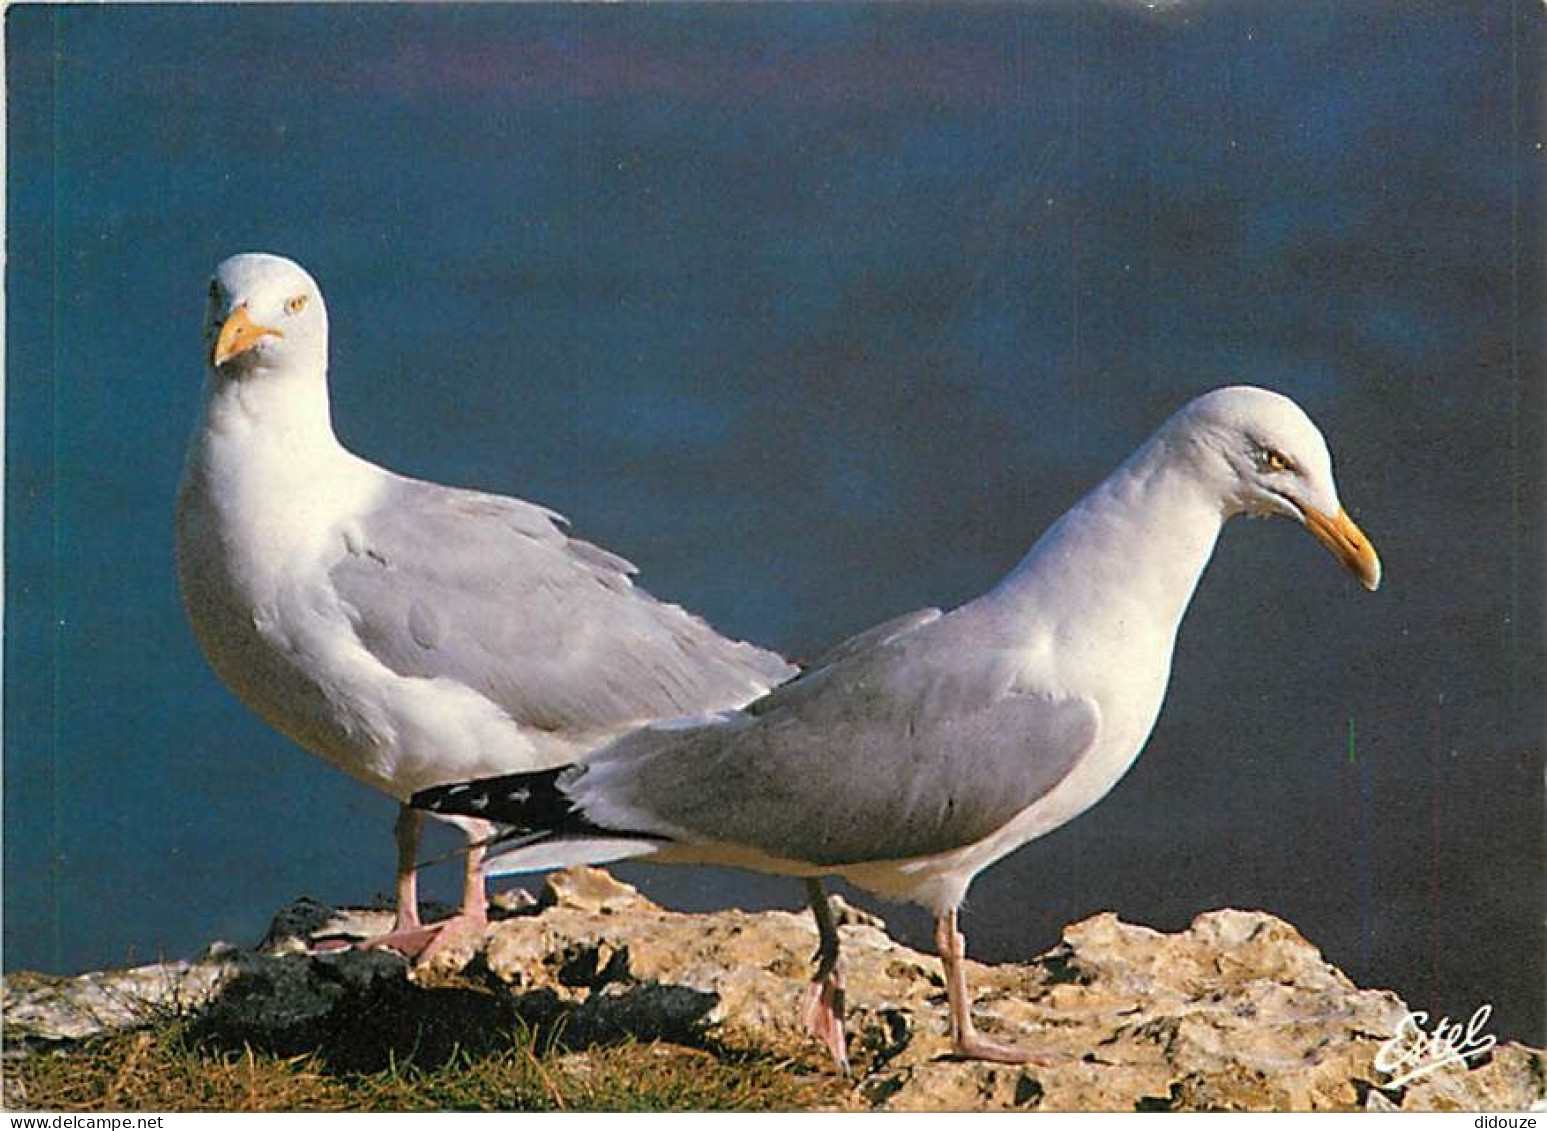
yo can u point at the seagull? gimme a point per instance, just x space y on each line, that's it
408 633
922 751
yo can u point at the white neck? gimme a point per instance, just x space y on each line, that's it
1128 556
265 453
289 407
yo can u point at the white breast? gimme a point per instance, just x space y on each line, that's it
257 516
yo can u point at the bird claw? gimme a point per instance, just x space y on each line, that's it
823 1017
421 943
975 1046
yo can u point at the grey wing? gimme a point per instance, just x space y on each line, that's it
493 593
852 774
814 677
882 634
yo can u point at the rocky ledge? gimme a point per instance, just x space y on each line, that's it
1238 1012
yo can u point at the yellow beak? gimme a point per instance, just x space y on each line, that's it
239 334
1347 543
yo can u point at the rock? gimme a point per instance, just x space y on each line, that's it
307 924
1238 1012
514 901
41 1010
296 921
357 1007
590 890
845 914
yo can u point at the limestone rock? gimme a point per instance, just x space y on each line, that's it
1238 1012
42 1010
590 889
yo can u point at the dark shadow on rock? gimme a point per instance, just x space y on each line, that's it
356 1008
650 1011
359 1011
297 919
885 1036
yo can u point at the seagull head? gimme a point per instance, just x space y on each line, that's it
1265 457
265 312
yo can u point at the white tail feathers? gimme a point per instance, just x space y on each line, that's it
565 852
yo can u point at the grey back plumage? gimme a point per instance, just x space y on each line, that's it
913 742
494 593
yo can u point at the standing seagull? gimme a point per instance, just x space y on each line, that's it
926 749
409 633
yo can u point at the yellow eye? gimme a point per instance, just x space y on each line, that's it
1268 460
295 305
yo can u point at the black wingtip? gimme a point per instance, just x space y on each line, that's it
527 800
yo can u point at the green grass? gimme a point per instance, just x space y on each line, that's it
162 1069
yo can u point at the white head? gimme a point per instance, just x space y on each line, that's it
1263 455
265 313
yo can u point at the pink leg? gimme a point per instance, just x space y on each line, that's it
474 916
408 936
406 832
965 1038
823 1014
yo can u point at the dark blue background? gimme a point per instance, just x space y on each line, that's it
819 314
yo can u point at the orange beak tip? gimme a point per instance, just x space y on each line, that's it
1342 536
237 335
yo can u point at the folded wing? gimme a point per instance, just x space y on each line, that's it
900 750
492 592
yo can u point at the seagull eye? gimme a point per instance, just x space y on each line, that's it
295 305
1270 461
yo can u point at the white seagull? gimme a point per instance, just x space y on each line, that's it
924 750
411 634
